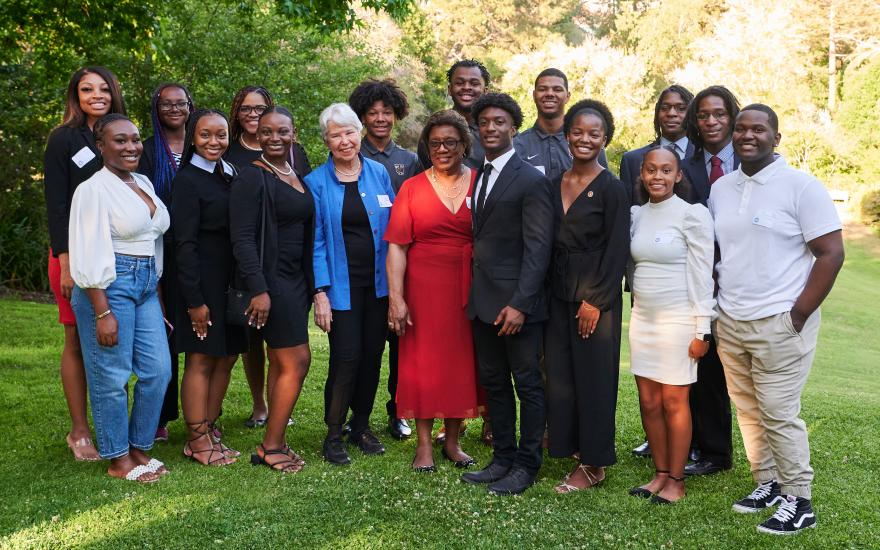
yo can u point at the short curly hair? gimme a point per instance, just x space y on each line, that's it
484 72
590 107
447 117
502 101
372 90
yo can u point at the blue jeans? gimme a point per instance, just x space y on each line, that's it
142 349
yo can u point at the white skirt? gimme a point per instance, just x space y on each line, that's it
659 348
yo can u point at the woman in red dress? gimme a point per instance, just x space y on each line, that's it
429 259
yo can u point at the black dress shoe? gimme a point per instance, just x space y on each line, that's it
703 468
490 474
334 452
367 442
346 428
642 451
466 463
398 428
514 483
694 454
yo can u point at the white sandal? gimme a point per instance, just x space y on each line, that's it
592 479
135 473
155 465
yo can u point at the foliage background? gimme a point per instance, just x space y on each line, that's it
311 53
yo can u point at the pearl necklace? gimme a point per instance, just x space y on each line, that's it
349 174
245 145
455 188
276 169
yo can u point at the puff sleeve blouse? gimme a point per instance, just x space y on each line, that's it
106 218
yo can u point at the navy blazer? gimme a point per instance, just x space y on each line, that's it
631 167
695 170
513 238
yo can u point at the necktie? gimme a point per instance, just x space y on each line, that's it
481 198
716 171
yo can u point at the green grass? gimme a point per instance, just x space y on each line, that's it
50 501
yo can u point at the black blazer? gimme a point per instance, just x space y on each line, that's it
513 238
631 166
695 170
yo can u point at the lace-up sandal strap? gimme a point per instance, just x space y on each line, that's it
286 465
592 478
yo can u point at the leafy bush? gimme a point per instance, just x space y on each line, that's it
870 206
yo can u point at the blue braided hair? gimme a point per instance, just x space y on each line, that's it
164 166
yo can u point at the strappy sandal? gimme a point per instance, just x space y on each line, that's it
641 492
79 448
657 499
286 465
592 481
220 460
216 435
300 461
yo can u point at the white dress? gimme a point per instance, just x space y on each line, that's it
673 251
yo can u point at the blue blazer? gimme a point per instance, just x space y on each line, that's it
329 260
695 170
631 167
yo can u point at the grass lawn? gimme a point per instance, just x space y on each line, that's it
50 501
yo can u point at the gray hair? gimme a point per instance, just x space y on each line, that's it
341 115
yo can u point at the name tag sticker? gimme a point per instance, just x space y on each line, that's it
82 157
384 201
663 238
542 169
467 201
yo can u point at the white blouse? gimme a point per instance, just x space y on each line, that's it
107 217
673 248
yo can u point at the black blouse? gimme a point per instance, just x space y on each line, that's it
71 158
591 243
240 157
358 237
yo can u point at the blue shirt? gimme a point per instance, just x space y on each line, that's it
330 262
726 156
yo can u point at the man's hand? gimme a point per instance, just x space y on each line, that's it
511 321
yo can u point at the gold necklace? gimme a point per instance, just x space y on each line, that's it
245 145
455 188
276 169
348 174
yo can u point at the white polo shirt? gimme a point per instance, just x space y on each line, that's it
762 226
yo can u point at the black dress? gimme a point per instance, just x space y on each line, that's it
590 251
286 270
200 217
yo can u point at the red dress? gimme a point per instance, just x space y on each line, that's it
437 376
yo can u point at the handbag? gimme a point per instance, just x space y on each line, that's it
238 300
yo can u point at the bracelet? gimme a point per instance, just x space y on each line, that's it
102 315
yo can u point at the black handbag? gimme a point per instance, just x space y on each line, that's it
238 300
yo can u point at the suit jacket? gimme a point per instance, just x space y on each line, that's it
695 170
631 167
513 239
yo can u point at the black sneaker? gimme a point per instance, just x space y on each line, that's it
794 515
367 442
764 496
334 451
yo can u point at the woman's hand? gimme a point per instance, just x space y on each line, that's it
698 348
258 310
588 318
107 330
398 316
201 320
66 280
323 314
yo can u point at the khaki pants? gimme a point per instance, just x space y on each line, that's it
766 364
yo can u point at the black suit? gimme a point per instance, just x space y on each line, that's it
631 166
512 243
709 400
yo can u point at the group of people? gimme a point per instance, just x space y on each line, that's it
491 260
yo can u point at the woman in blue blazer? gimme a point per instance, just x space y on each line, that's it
353 197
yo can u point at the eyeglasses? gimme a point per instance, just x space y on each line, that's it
666 107
168 107
450 144
719 115
248 109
